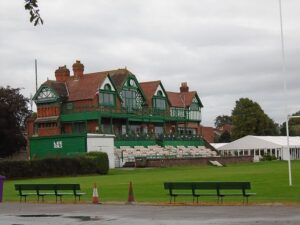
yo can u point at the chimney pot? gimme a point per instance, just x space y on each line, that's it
184 87
78 69
62 74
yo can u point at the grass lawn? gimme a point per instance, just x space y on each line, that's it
268 179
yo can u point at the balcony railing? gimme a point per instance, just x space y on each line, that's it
176 113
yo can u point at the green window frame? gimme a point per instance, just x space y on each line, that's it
107 96
79 127
130 98
194 106
159 103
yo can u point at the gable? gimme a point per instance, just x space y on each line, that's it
131 90
107 81
160 90
197 100
45 94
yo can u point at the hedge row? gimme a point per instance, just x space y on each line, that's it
91 163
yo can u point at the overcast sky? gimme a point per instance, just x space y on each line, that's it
224 49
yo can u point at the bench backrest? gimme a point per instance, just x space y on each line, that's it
67 187
46 187
218 186
178 185
234 185
205 185
25 187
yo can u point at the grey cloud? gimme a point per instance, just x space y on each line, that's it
223 49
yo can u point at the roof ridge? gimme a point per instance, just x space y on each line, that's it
150 81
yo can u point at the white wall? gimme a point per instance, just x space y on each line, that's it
103 143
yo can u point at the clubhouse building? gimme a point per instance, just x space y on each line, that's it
112 103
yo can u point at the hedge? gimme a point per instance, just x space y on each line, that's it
90 163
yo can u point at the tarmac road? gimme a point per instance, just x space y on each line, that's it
108 214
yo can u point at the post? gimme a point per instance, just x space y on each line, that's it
285 92
288 149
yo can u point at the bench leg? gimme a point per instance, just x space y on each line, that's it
197 200
220 198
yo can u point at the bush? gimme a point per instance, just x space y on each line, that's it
101 161
268 157
91 163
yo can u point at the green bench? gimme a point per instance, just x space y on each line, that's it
42 190
200 189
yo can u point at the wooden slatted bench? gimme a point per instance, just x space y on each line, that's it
234 189
218 189
185 189
42 190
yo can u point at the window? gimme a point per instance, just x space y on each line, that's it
130 99
107 87
69 106
159 93
194 106
107 96
46 95
79 127
107 99
131 95
159 103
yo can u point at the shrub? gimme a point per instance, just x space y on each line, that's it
101 161
91 163
268 157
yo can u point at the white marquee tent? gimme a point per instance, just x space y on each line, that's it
262 145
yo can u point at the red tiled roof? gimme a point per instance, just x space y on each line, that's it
149 89
86 87
183 99
58 87
118 77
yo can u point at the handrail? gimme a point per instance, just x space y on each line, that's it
145 111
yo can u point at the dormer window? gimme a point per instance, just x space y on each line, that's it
159 101
46 94
195 105
107 96
131 95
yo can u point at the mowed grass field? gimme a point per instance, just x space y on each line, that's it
268 179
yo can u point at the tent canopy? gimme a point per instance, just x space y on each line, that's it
261 142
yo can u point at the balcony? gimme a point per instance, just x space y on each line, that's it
144 114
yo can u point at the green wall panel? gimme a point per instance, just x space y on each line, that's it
55 146
79 116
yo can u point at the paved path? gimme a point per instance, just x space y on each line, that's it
66 214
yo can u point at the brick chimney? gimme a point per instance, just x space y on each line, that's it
184 87
62 74
78 69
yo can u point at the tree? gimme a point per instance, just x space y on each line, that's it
32 7
222 120
13 112
248 118
294 126
225 137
